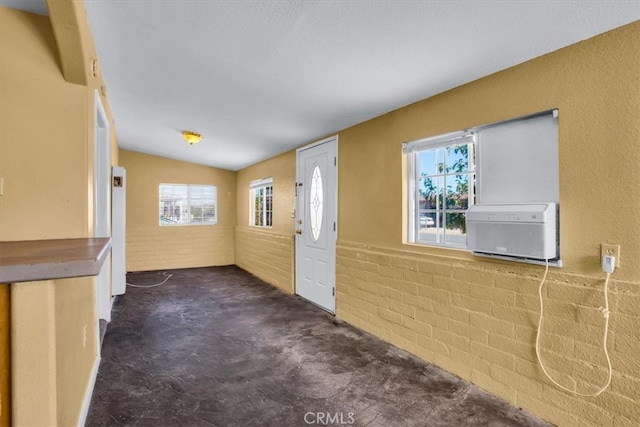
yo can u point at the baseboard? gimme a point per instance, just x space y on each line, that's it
89 392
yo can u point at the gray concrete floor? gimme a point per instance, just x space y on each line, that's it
219 347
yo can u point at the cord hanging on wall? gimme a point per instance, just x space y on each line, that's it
608 265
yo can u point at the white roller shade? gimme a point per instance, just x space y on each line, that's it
517 162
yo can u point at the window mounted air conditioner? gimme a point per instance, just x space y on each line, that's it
526 231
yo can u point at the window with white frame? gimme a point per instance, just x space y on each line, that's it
511 162
442 179
186 204
262 202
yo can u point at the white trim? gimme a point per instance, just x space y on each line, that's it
254 186
261 182
552 263
102 202
99 109
322 141
453 138
412 201
335 235
88 394
413 183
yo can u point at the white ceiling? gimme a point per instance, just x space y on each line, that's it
35 6
258 78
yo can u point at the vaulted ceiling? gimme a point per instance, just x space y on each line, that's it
257 78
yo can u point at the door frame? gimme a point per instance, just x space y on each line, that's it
102 204
299 179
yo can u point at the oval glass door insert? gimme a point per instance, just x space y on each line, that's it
315 203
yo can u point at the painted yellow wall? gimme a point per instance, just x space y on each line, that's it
267 252
475 317
34 360
152 247
46 159
595 86
43 119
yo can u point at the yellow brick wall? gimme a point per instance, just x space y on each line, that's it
179 247
152 247
476 317
267 252
267 255
478 320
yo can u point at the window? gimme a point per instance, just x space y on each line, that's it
262 202
442 177
511 162
315 203
182 204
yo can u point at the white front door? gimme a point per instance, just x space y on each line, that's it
316 228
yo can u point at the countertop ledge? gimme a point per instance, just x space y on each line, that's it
32 260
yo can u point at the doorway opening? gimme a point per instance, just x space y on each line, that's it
102 203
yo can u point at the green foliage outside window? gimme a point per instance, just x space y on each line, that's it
453 192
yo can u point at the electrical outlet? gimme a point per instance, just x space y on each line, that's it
84 336
611 250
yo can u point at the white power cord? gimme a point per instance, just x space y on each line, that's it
605 313
154 285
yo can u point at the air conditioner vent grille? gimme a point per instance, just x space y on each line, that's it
528 231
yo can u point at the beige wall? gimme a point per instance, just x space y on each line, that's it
267 252
476 317
152 247
46 159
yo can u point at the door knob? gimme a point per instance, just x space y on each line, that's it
299 231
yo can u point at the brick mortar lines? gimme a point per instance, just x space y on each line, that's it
273 265
364 272
515 270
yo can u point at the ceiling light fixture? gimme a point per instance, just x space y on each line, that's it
191 137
